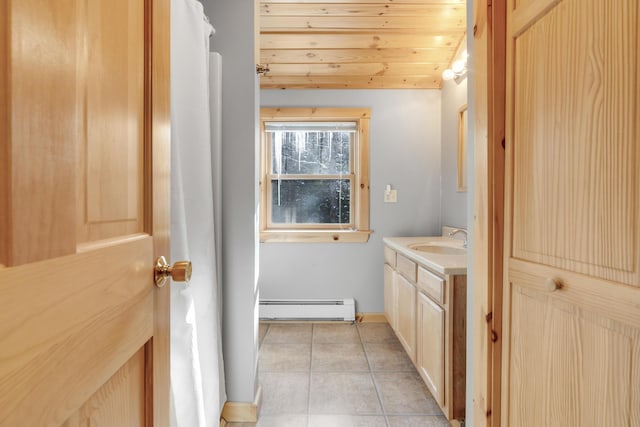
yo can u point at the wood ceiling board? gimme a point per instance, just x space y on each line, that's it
349 82
319 56
374 23
440 2
362 69
349 9
358 41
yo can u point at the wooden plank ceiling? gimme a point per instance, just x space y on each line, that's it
349 44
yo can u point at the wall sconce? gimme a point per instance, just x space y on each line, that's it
457 70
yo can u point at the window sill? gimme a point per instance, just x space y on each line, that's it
314 236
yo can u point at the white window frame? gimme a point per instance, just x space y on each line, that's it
358 230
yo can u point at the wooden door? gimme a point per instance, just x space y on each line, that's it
572 288
84 123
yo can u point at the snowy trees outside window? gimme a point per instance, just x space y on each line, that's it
314 171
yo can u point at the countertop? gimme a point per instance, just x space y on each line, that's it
440 263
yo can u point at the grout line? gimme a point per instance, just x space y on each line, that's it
373 380
313 331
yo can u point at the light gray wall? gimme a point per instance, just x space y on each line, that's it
404 152
392 161
234 39
454 203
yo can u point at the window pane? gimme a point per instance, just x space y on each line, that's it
322 201
311 152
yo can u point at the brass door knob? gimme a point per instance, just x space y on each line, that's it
180 272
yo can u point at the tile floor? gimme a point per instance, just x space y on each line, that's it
339 375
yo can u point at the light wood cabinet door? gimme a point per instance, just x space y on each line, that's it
390 295
572 292
406 315
84 194
431 346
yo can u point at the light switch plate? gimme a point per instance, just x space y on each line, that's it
391 196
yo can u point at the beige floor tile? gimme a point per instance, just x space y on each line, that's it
418 421
388 356
340 375
335 333
404 393
343 393
286 420
338 357
346 421
285 357
376 332
289 333
284 393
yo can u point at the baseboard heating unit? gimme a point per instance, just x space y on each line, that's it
343 310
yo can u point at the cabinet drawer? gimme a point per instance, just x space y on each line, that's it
406 267
431 284
390 256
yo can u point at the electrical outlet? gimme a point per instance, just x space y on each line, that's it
391 196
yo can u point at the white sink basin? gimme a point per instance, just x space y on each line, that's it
439 249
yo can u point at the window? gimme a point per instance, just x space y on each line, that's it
314 175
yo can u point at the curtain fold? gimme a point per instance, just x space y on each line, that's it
197 382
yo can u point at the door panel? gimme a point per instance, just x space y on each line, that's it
84 192
123 395
571 320
112 151
575 128
572 364
39 105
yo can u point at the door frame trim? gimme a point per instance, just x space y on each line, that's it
156 216
489 31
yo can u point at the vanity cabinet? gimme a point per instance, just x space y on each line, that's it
427 311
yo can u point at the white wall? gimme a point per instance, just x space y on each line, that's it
234 39
454 203
404 152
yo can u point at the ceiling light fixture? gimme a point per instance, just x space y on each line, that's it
457 70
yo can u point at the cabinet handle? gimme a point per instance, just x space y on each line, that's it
553 284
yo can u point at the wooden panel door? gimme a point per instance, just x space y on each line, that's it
406 315
84 121
572 290
431 346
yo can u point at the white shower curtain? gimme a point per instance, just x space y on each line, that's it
197 379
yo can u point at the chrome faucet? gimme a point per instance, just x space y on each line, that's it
460 230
